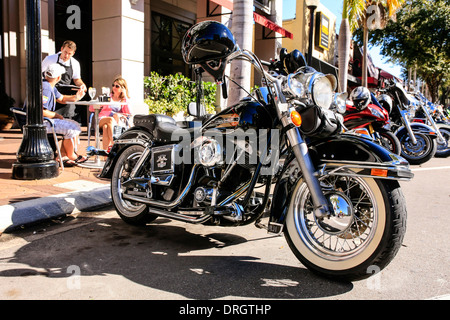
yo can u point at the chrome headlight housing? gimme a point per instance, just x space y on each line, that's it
322 89
315 86
340 102
295 85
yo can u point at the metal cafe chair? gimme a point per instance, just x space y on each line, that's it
21 117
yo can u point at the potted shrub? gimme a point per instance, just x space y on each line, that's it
172 94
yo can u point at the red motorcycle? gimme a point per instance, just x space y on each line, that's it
365 116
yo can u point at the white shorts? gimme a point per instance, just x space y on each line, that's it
68 128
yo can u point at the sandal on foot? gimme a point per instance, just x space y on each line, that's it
69 163
80 159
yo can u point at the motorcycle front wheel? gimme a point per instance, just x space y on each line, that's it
443 149
131 212
360 239
418 153
390 142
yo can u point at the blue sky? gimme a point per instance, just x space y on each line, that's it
335 6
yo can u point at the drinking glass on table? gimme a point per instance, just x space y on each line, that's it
92 93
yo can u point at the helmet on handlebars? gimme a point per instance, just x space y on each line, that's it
294 60
386 102
360 97
209 43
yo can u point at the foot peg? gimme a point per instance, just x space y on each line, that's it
91 151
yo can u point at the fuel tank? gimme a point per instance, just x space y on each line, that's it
247 114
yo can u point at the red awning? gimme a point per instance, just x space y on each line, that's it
258 19
271 25
224 3
385 74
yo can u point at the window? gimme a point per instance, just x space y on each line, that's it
167 35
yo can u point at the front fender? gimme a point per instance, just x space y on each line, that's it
419 128
336 156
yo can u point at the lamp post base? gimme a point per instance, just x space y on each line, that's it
35 171
35 156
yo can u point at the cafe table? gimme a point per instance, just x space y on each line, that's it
96 162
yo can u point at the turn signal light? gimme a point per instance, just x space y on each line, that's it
379 172
296 118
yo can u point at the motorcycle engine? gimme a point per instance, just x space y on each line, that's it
213 153
210 153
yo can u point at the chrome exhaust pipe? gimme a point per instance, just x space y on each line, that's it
180 217
163 204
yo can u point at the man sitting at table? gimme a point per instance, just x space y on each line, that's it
69 128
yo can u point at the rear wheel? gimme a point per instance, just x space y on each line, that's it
363 235
131 212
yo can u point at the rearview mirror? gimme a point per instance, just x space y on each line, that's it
192 110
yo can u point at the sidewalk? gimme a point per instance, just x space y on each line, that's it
25 202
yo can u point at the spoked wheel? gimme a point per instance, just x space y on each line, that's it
131 212
418 153
362 236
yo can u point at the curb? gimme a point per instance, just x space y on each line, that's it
32 211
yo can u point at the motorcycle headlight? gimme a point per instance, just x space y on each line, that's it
340 102
295 86
322 91
376 113
315 86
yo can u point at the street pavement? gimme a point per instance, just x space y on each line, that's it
244 263
22 202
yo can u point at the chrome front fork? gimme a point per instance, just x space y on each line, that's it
408 127
300 148
321 204
433 124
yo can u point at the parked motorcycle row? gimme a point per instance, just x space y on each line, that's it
294 151
408 124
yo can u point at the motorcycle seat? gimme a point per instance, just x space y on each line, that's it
164 129
148 122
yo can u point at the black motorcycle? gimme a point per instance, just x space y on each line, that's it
418 140
277 154
424 115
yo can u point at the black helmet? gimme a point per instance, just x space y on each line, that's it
360 97
209 43
206 41
386 102
294 60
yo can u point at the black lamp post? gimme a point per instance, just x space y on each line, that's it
312 6
35 159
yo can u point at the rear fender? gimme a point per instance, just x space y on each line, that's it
134 136
336 156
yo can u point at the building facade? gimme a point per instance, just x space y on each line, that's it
131 38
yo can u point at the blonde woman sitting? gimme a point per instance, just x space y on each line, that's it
113 115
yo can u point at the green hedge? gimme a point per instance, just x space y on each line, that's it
172 94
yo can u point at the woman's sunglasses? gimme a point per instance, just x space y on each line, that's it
116 86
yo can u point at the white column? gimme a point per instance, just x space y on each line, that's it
242 29
118 46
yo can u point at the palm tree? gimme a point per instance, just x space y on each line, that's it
242 29
352 11
354 14
379 22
